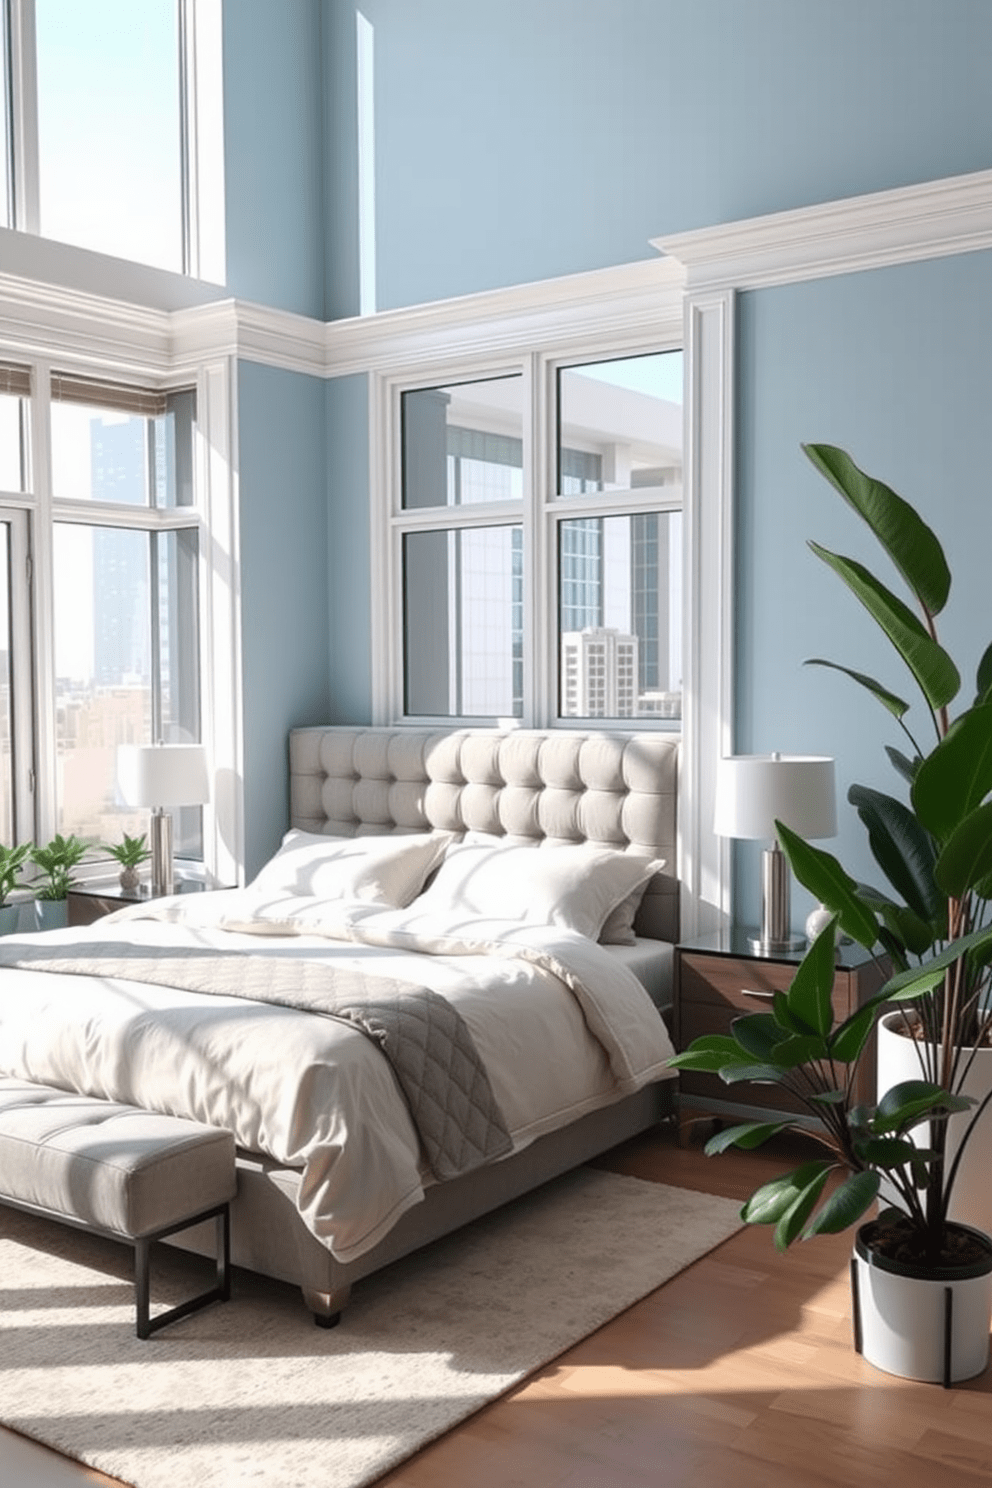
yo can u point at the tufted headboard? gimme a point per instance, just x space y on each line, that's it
618 790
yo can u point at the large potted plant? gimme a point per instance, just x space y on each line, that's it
933 844
57 861
12 861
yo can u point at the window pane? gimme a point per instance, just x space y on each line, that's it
108 127
103 454
7 824
126 666
620 424
463 444
463 613
11 454
620 616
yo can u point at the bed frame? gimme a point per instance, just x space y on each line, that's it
562 787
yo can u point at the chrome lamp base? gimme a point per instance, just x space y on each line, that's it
776 933
163 881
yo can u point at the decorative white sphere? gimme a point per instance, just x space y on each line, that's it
817 920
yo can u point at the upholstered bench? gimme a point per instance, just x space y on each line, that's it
131 1174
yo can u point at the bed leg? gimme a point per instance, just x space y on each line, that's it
327 1306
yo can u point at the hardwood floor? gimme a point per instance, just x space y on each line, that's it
738 1373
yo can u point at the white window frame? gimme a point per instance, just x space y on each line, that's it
201 140
213 514
539 512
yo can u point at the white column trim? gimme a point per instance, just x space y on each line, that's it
220 623
707 703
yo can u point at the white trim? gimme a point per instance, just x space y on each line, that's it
708 578
908 223
220 618
21 671
203 69
24 114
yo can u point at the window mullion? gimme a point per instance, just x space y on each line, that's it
43 607
23 115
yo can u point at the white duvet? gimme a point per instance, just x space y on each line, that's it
561 1027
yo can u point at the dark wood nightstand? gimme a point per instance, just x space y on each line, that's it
91 901
719 977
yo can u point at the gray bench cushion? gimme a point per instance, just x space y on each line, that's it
109 1166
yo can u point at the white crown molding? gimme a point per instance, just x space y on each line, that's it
954 215
626 299
908 223
42 320
253 333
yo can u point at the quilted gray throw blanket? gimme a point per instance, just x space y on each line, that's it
424 1037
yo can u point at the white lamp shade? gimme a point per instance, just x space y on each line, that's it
753 791
163 775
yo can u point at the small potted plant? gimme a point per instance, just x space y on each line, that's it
12 860
922 1273
129 853
56 861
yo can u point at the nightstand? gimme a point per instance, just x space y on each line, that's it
91 901
719 977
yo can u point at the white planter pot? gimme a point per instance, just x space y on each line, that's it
918 1324
51 914
10 917
971 1197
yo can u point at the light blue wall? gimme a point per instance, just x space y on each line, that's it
284 588
895 366
349 538
273 156
524 139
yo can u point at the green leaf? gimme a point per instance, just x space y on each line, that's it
758 1074
784 1017
710 1052
907 930
921 979
826 880
758 1033
791 1225
983 681
903 1105
799 1048
852 1035
936 675
966 858
810 996
957 775
895 705
909 542
769 1202
906 767
902 848
890 1152
846 1205
747 1136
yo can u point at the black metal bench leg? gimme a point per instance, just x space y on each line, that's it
145 1324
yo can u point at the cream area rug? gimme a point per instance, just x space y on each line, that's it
252 1392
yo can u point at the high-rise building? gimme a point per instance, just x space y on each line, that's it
599 673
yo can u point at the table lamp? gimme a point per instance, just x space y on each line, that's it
753 791
162 776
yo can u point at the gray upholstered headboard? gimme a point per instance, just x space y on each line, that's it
619 790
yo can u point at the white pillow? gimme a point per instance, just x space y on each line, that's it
391 869
575 887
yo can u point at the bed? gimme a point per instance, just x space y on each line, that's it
214 1006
